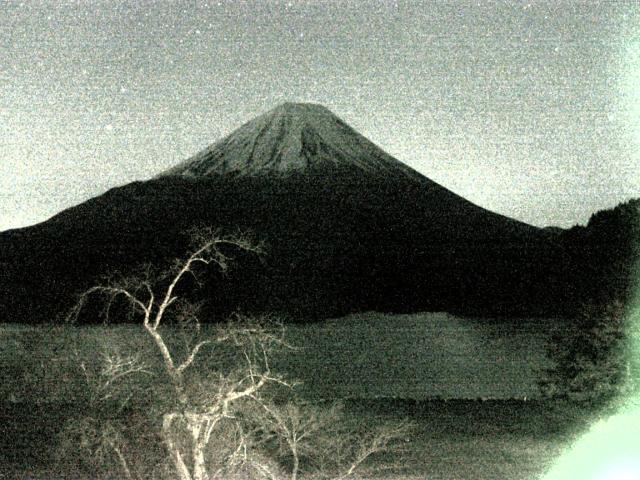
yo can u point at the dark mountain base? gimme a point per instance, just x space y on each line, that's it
337 243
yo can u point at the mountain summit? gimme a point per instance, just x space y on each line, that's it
293 137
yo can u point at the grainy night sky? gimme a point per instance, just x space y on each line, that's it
528 109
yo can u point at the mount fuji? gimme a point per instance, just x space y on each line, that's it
347 227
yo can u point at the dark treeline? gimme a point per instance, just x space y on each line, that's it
334 245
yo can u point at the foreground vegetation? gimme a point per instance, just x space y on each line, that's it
166 398
365 356
158 416
456 439
452 439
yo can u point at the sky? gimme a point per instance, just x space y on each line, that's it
529 109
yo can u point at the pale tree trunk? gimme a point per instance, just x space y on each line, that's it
296 464
200 427
174 451
196 424
199 467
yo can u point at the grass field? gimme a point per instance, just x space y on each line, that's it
386 367
418 356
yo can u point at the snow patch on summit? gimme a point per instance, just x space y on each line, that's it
292 137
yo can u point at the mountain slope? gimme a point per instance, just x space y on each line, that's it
348 228
293 137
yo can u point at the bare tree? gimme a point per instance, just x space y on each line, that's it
320 436
207 382
198 407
